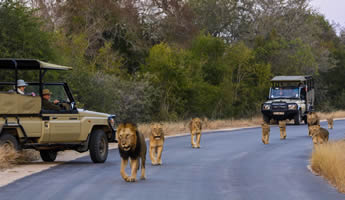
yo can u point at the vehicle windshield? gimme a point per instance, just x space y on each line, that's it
285 93
58 93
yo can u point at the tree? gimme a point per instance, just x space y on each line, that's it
21 34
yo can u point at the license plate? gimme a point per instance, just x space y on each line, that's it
278 113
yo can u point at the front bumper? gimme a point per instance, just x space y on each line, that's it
280 114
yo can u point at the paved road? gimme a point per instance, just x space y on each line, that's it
230 165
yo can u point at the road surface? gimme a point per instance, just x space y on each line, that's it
229 165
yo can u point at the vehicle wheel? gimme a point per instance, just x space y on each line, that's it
297 118
9 140
98 146
305 119
48 155
266 119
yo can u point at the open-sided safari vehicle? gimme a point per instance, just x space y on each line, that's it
26 124
290 97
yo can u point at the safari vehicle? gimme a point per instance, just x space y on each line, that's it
290 97
24 124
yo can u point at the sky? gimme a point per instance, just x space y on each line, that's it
333 10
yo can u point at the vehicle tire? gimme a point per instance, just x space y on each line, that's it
266 119
10 140
297 118
48 155
98 146
305 119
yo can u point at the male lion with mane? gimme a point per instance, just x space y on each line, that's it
131 145
195 127
156 143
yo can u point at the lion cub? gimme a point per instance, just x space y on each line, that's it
265 133
282 127
156 143
319 134
330 122
195 127
131 145
312 119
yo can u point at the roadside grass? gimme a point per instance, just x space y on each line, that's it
9 157
328 160
173 128
336 114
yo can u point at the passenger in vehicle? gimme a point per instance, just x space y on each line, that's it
21 86
46 104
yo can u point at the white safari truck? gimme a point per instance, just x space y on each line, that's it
290 97
26 124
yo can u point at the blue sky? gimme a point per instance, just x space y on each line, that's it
333 10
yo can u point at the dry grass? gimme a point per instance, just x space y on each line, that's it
173 128
337 114
9 157
328 160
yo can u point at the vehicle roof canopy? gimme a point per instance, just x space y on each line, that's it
291 78
29 64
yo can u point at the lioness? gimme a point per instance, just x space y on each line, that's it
312 119
265 133
131 145
156 143
195 127
330 122
319 134
282 127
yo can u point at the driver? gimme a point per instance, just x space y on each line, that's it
46 104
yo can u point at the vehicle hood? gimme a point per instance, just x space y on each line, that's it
88 113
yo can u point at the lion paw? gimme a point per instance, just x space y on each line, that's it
142 177
131 179
126 179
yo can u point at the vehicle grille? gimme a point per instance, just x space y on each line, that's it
279 106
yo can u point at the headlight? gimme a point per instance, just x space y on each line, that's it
292 106
267 107
111 121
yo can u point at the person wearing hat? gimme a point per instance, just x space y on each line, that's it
46 104
21 85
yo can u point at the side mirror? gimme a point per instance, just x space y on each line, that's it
72 105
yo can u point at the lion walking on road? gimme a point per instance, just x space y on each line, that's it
156 143
282 127
195 127
132 147
312 119
319 135
265 133
330 122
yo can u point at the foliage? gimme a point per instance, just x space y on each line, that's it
171 60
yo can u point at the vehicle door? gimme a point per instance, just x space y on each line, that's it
62 125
